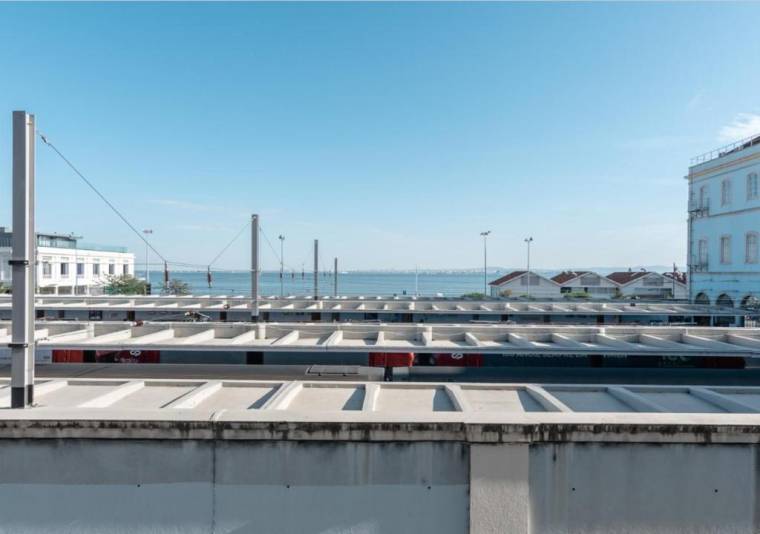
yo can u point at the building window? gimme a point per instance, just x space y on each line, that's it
125 269
111 269
702 252
752 186
47 268
725 249
96 267
64 268
80 269
725 192
703 199
751 247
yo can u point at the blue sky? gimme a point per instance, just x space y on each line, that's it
394 133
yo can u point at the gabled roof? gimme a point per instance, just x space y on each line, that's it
517 274
566 276
626 277
507 277
680 277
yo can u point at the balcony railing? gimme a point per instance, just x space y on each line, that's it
699 209
727 149
700 266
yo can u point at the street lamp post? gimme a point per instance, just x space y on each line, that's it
528 241
147 232
485 261
282 264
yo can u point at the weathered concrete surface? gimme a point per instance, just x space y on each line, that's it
85 485
590 488
142 455
499 488
191 486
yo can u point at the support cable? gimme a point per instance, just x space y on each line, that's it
228 245
102 197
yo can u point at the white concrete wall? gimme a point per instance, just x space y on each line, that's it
188 486
96 486
546 289
639 288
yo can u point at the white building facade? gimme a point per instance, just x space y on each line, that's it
724 225
524 284
67 266
587 282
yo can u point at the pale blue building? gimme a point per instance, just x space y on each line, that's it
724 225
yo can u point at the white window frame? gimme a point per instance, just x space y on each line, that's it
84 269
96 267
64 266
702 251
704 196
111 268
725 192
725 249
752 192
47 267
751 246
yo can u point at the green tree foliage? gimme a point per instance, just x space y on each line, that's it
125 285
176 287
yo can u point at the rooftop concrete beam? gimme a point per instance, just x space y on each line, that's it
634 400
287 339
549 402
197 396
114 396
726 403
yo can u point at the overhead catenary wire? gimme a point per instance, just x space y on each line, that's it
101 195
228 245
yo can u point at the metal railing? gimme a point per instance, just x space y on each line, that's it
726 149
700 266
699 208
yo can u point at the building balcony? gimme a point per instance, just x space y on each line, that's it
699 209
700 266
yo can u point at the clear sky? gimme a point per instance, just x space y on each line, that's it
394 133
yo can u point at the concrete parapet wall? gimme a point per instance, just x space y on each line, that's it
283 486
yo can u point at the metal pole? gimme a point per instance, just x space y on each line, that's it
529 240
485 261
485 264
22 262
282 265
316 269
335 282
255 267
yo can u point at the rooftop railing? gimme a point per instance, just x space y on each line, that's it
727 149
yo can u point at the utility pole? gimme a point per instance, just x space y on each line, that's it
282 264
147 232
485 261
316 269
255 267
528 241
23 262
335 281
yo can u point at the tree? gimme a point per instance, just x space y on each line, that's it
125 284
474 296
176 287
4 288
